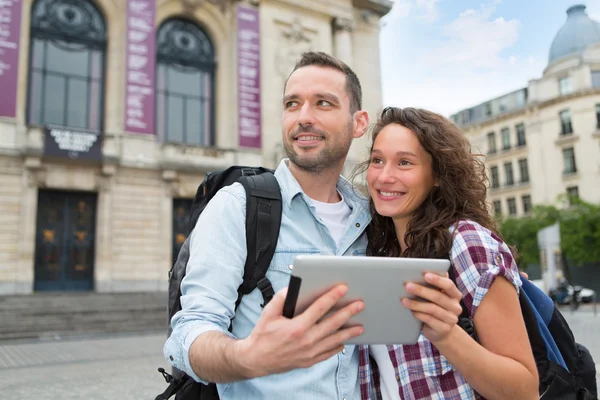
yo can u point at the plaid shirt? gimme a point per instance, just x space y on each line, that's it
477 256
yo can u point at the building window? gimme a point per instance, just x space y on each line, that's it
497 206
520 128
597 116
565 122
524 170
596 79
526 200
185 73
564 85
508 174
491 138
569 161
66 71
495 177
511 202
572 193
505 139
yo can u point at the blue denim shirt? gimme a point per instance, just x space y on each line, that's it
215 270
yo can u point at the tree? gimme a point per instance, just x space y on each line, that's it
579 232
522 232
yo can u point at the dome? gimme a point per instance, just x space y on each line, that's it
578 32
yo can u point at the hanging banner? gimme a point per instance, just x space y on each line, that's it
10 29
248 68
140 66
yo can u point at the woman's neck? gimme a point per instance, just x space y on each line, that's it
400 225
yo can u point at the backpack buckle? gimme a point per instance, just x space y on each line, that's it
264 284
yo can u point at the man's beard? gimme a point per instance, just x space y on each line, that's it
327 157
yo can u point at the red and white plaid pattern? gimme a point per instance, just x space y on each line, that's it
477 256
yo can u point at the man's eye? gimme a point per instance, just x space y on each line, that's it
291 104
323 103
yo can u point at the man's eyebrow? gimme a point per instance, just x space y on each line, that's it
289 97
328 96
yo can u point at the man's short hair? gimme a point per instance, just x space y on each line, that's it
323 59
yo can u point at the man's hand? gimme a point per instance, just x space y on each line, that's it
279 344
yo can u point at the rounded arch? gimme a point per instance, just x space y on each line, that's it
67 57
185 83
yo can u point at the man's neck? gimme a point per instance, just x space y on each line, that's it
321 187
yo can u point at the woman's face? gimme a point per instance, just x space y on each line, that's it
400 173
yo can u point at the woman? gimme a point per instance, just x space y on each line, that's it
428 199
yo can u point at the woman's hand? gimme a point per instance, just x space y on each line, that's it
441 308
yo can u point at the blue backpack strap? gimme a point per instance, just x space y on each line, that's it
541 308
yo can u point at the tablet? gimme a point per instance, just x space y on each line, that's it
378 281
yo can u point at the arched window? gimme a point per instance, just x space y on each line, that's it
185 84
66 81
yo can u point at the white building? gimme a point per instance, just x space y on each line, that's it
544 140
112 111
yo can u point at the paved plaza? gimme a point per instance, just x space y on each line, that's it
124 367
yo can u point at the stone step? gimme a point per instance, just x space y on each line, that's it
75 314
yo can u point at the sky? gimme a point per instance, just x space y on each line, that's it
448 55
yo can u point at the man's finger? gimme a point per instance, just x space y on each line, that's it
322 305
334 322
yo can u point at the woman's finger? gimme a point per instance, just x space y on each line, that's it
433 323
435 296
444 283
437 312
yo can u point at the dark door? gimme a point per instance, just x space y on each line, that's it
65 241
181 215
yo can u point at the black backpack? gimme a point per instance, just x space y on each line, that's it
263 219
566 369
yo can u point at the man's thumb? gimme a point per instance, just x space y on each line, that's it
275 307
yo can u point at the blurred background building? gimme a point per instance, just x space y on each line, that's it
544 140
112 111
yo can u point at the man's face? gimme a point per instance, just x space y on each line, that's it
317 124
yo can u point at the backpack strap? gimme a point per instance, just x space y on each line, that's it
464 320
263 219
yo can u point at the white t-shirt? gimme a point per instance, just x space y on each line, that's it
335 216
387 375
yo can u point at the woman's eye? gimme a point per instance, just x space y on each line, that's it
405 162
375 160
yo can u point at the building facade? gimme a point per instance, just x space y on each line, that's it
112 111
543 141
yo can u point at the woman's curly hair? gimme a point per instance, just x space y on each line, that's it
461 194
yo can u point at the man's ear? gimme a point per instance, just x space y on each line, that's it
361 123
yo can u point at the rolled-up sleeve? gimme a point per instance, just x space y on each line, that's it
214 272
478 256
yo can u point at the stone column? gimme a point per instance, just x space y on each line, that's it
103 267
342 39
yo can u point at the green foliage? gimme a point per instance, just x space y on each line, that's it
579 231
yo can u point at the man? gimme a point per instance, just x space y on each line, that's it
268 355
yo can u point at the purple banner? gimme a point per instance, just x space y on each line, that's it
10 29
140 66
248 59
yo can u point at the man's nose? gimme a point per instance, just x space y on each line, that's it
306 116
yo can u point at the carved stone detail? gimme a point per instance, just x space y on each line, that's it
191 5
293 42
343 24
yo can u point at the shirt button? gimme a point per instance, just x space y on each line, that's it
344 350
345 398
358 225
